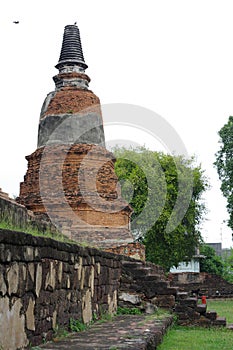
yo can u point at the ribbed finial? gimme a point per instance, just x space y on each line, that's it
71 51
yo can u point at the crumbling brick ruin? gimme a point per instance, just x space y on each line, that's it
70 177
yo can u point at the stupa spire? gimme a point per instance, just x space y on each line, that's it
70 178
71 51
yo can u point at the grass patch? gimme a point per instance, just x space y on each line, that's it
223 308
57 236
31 229
195 338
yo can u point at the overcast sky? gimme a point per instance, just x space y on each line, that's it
172 57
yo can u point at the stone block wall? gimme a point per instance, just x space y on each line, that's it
44 283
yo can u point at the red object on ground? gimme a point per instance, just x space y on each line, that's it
203 299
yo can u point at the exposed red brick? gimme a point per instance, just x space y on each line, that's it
89 191
71 100
134 250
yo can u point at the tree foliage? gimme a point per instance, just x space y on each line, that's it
224 165
165 193
218 265
228 266
212 262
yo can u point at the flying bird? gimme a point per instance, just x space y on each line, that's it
75 23
16 22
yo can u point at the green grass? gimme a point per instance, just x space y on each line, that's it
223 307
196 338
77 325
35 232
57 236
128 311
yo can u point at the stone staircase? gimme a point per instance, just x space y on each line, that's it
190 312
143 284
148 282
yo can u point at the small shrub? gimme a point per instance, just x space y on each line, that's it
60 333
128 311
77 325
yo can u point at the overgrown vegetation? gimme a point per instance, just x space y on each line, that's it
4 224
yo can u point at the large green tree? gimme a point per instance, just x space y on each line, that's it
165 193
224 165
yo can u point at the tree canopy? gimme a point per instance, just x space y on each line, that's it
212 262
165 193
218 265
224 165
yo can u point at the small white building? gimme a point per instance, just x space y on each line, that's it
190 266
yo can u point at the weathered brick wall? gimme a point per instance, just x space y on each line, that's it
208 284
44 283
77 187
134 250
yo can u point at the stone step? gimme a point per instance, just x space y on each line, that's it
157 284
201 308
156 269
203 322
131 264
212 315
169 291
182 295
220 321
192 302
230 326
151 277
152 288
141 272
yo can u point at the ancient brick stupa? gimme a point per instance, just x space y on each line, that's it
70 177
